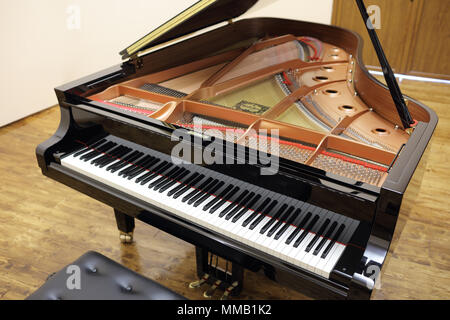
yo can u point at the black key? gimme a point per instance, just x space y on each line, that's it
256 212
327 235
206 190
108 156
131 167
333 241
105 156
161 181
149 175
234 203
273 219
196 190
211 192
317 236
262 215
78 150
127 161
154 163
94 153
241 206
164 173
246 208
217 198
280 221
299 228
307 229
224 199
119 155
95 145
163 166
155 172
169 176
134 166
174 179
289 221
141 168
184 184
124 160
187 187
203 192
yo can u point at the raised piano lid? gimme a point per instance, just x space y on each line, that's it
200 15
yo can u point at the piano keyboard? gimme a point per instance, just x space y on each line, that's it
296 232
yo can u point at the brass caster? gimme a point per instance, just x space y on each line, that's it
126 237
198 283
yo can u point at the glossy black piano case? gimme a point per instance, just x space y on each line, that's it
377 207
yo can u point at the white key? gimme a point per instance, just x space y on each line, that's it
238 228
254 234
334 257
314 262
297 255
282 244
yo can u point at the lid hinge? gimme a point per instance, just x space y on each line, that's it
136 61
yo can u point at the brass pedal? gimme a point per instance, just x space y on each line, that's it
210 292
228 290
199 283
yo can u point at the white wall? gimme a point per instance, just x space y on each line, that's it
44 45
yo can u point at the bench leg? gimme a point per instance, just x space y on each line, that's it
125 223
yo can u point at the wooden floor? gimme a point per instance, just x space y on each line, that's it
45 225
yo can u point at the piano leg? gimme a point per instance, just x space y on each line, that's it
125 223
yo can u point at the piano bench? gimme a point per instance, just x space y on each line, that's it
96 277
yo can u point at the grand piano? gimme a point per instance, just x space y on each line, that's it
262 141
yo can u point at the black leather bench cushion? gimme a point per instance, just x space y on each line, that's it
102 279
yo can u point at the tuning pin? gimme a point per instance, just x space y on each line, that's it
210 292
198 283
